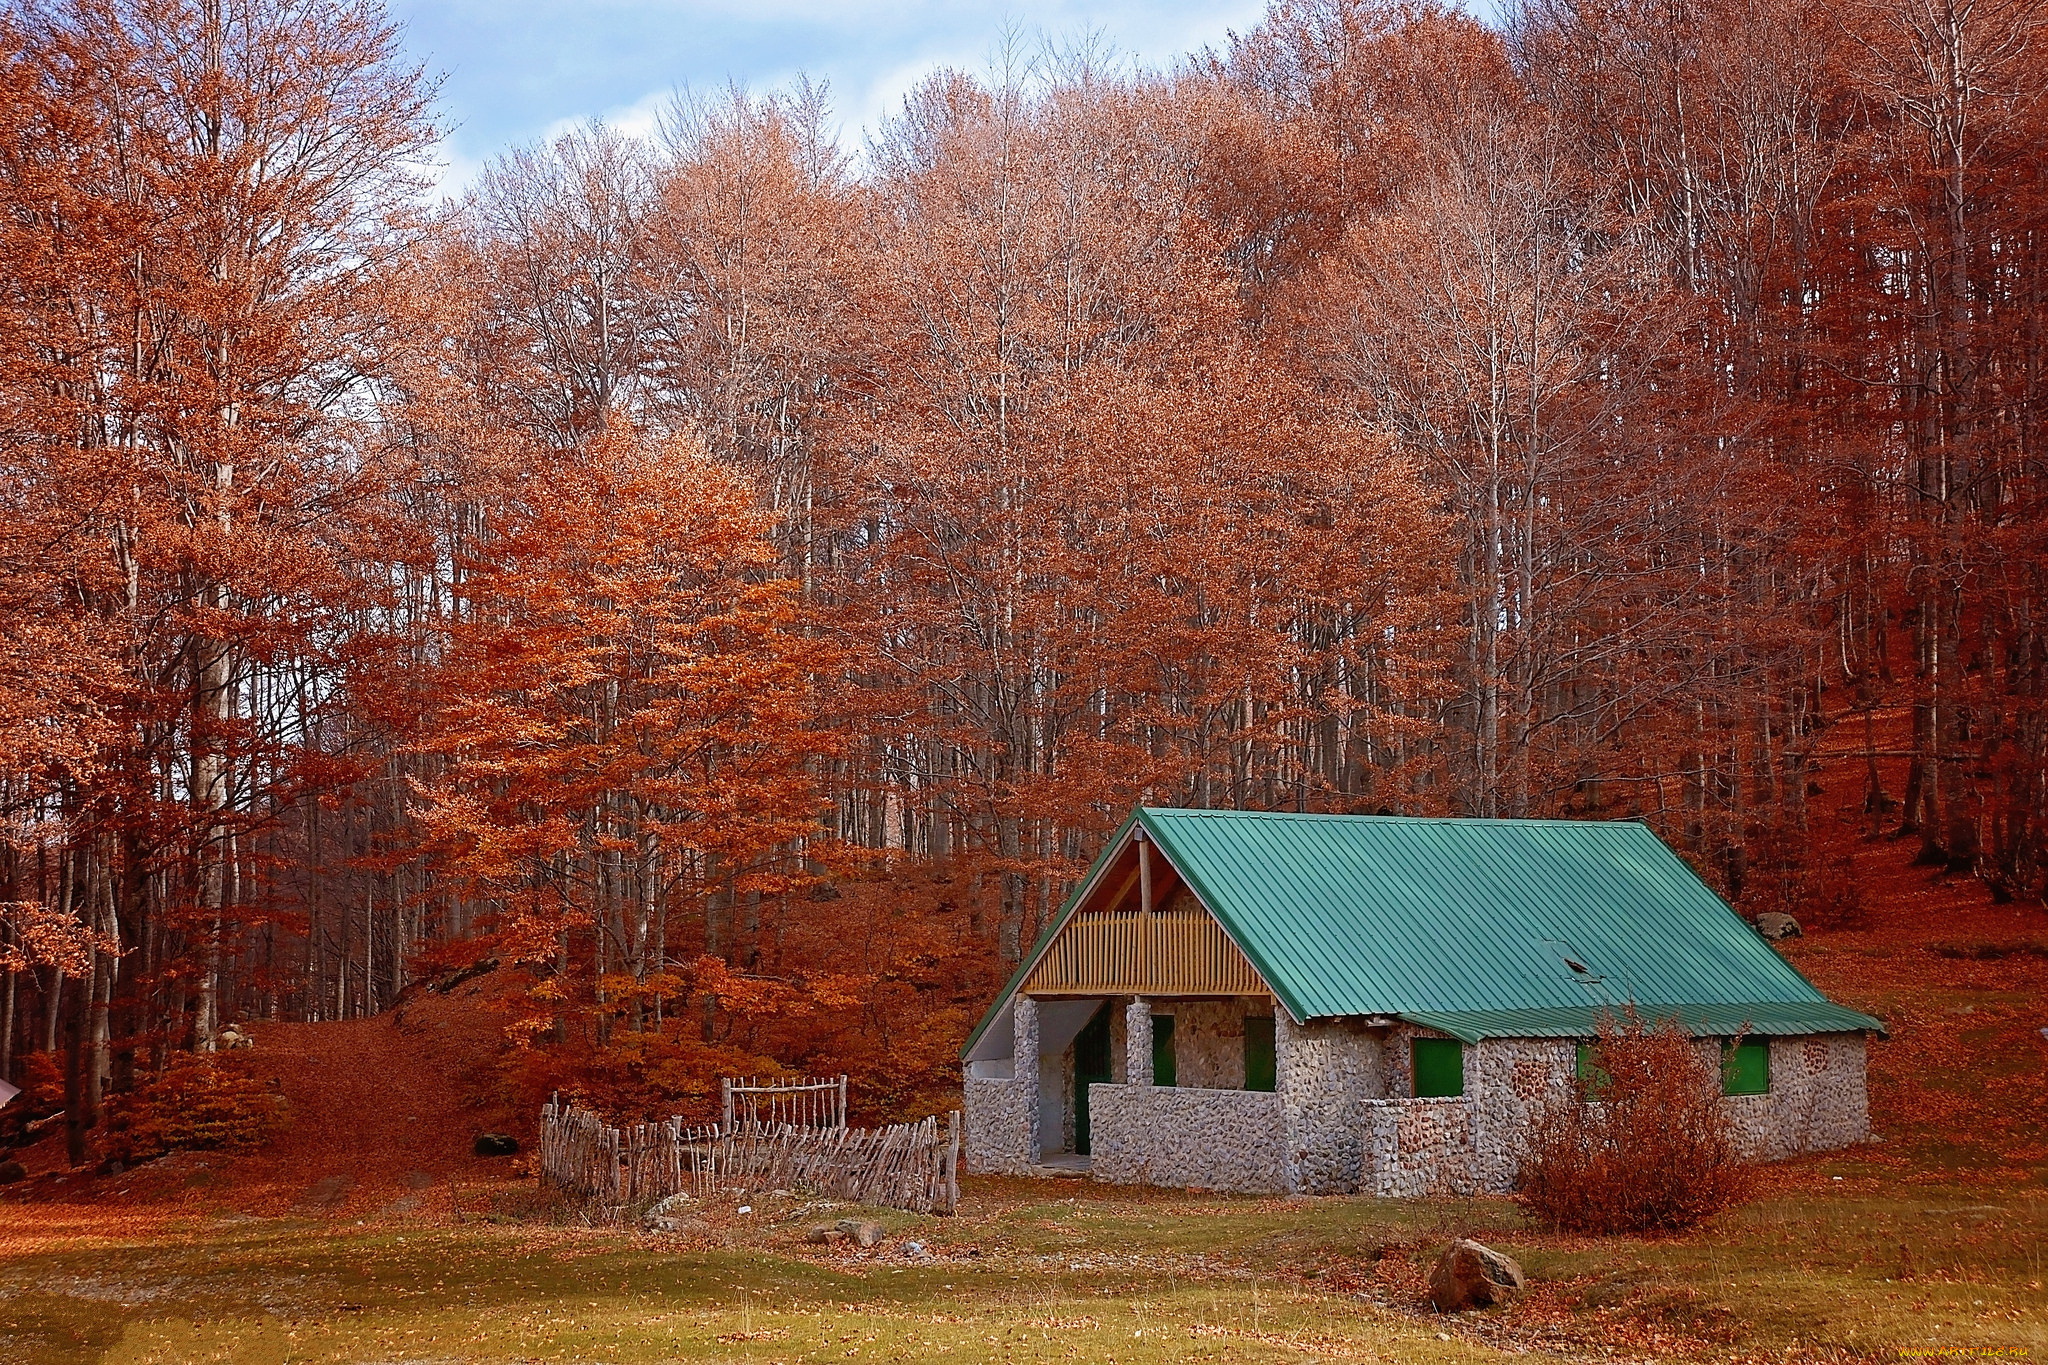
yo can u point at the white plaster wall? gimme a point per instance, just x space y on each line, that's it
1174 1135
1055 1118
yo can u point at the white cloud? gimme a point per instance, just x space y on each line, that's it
641 118
521 71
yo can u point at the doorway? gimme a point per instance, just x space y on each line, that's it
1091 1067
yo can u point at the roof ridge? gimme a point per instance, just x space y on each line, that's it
1492 820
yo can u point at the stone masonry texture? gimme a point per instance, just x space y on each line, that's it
1344 1120
1202 1139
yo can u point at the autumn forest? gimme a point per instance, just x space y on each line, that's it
743 573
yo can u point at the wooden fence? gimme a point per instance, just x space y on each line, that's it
754 1103
913 1166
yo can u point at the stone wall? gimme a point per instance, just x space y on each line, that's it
1326 1070
1000 1132
1208 1041
1510 1081
1419 1147
1000 1126
1819 1098
1342 1119
1173 1135
1137 1043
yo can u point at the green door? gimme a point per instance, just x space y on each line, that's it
1091 1067
1165 1064
1260 1062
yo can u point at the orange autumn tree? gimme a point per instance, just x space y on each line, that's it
623 718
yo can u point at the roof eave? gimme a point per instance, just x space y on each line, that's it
1051 929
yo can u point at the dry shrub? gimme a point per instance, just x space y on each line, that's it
1641 1144
198 1102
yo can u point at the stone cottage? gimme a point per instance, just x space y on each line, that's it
1270 1002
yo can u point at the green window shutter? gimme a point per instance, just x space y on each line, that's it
1746 1067
1439 1068
1259 1064
1589 1071
1163 1069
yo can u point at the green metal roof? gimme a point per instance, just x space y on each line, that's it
1474 926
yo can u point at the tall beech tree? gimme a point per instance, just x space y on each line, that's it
623 710
195 192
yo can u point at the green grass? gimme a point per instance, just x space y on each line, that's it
1061 1271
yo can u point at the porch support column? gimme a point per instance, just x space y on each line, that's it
1024 1067
1138 1042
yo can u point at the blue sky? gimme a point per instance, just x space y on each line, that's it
517 70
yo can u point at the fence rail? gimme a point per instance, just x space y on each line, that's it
913 1166
752 1103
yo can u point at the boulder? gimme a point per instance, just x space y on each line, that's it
1470 1275
825 1235
1773 925
496 1144
11 1171
862 1232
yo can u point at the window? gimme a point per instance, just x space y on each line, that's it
1163 1070
1439 1068
1746 1067
1259 1067
1590 1071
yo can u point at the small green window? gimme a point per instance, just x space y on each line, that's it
1163 1070
1746 1067
1259 1068
1590 1071
1439 1068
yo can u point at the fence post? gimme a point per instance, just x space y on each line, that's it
725 1088
842 1099
952 1162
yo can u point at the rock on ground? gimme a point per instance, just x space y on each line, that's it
1773 925
1471 1275
670 1215
862 1232
496 1144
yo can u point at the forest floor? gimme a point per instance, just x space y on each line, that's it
367 1232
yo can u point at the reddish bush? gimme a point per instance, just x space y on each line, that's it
199 1101
1641 1144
